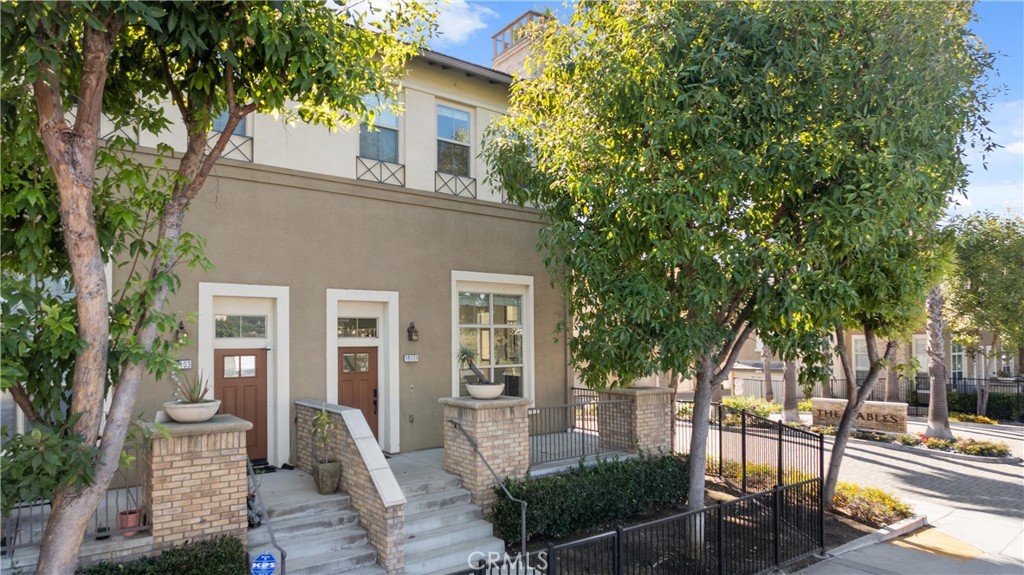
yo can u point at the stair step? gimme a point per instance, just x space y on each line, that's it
448 516
447 535
435 501
424 484
345 541
364 563
291 525
333 502
452 557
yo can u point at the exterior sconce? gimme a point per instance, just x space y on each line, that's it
414 334
181 334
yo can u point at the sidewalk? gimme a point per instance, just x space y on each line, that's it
975 512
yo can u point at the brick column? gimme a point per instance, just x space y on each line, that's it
194 485
636 418
501 429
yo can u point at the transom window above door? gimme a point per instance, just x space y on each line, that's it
232 326
357 327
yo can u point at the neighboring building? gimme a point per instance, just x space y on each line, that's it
349 266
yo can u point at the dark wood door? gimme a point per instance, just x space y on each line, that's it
357 381
240 382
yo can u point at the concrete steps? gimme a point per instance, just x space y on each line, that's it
320 536
443 529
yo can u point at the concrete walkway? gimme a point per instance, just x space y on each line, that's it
975 510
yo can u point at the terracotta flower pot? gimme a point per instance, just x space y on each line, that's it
127 519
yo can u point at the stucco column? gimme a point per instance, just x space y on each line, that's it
194 483
636 418
501 430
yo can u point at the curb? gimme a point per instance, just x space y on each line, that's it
882 535
1010 460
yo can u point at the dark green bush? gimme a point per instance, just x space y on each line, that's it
221 556
1000 405
562 504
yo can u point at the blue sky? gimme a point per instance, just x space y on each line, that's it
466 28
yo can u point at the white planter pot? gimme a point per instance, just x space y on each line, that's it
191 412
481 391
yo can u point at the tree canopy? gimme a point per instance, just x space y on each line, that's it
711 168
73 203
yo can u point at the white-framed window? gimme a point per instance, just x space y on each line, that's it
861 361
380 142
221 121
453 147
1005 364
956 361
493 315
920 350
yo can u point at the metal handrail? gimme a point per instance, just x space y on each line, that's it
266 516
500 483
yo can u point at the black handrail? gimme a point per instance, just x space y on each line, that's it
501 483
266 516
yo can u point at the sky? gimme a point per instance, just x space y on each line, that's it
466 28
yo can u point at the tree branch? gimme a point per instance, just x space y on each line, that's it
20 395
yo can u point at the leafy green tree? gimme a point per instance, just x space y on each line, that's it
707 169
67 343
985 287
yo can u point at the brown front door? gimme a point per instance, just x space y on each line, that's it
240 382
357 381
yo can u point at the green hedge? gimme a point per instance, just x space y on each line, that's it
560 505
222 556
1000 405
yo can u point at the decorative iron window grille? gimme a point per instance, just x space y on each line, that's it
454 184
380 171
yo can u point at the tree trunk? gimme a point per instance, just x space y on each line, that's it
853 406
938 410
766 369
892 380
990 372
790 411
698 458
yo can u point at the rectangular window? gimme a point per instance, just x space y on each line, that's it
452 141
491 325
956 362
221 121
381 142
861 361
921 353
357 327
232 326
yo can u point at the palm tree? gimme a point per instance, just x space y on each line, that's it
766 369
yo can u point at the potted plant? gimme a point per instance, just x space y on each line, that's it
326 471
483 388
191 405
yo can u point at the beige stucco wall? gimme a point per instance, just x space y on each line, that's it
269 226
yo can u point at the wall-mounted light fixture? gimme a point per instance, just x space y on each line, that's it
414 334
181 334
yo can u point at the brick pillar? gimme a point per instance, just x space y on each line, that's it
636 418
501 429
194 485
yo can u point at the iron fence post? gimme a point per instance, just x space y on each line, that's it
552 560
720 448
718 538
743 450
776 510
778 449
617 553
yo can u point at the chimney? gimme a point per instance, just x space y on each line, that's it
512 45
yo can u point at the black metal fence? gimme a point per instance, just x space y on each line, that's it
744 536
750 452
1005 400
584 427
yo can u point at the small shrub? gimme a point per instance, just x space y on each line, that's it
971 418
870 506
760 476
970 446
804 405
559 505
823 429
908 439
938 444
756 405
871 436
221 556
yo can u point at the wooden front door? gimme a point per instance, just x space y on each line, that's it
357 381
240 382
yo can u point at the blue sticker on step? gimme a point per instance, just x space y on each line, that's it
264 565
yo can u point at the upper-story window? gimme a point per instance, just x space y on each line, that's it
221 121
380 142
452 141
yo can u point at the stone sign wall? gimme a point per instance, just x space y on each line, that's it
875 415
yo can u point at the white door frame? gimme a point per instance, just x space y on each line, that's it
388 411
278 384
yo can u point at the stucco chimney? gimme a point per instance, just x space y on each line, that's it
513 45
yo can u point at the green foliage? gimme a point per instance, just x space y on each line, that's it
971 418
824 430
869 505
985 287
804 405
322 426
762 476
871 436
937 443
37 462
192 389
749 164
1001 406
908 439
559 505
221 556
755 405
970 446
